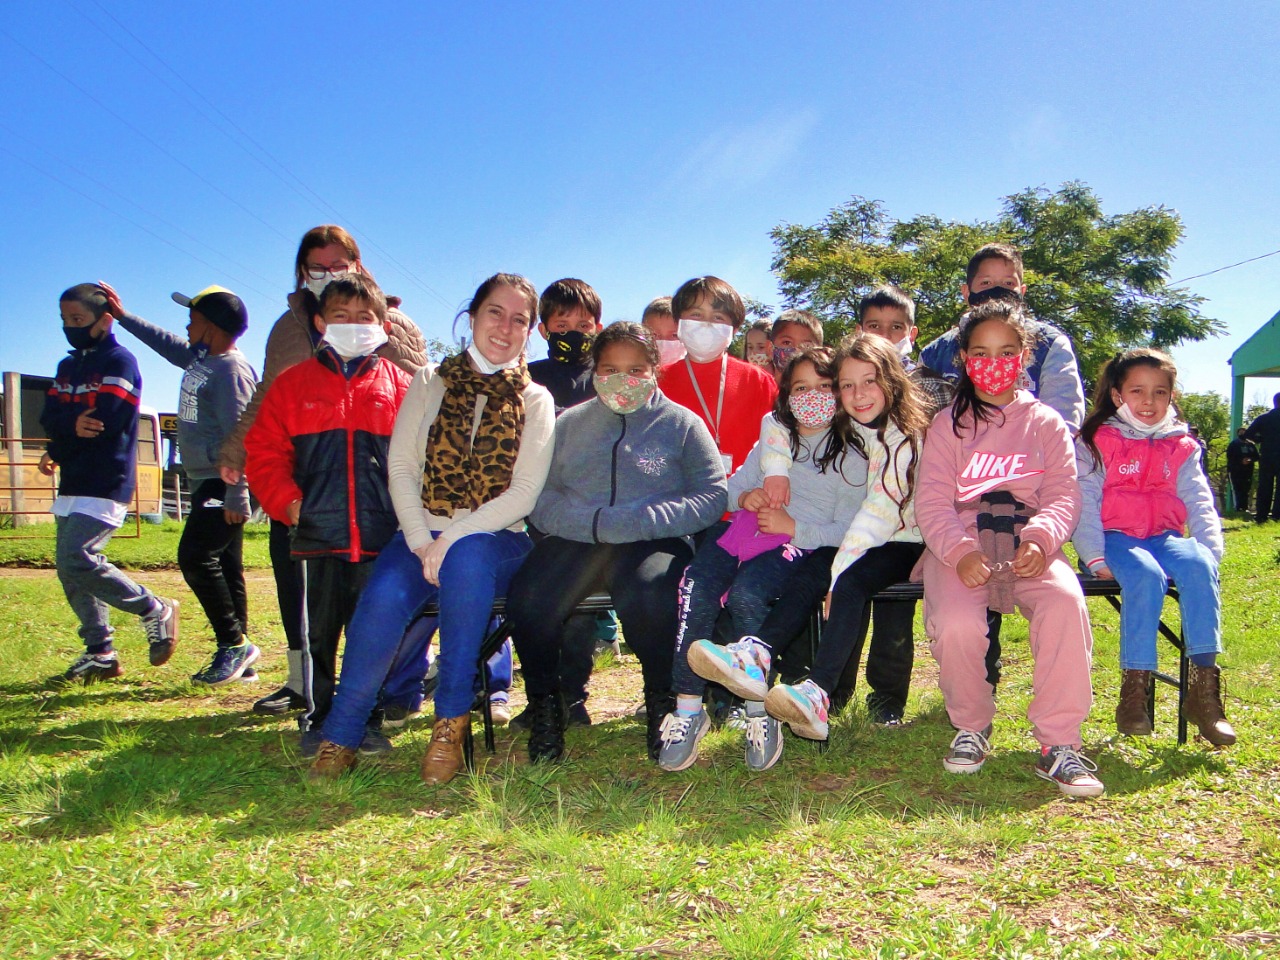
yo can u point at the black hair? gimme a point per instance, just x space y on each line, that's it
88 294
624 331
564 296
888 296
1012 314
355 286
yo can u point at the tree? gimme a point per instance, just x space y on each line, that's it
1210 413
1101 278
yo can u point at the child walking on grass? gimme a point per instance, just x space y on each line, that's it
1142 485
996 499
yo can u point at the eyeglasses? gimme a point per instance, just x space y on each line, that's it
319 273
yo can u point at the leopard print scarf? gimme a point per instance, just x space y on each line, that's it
462 473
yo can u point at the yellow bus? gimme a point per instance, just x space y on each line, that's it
25 494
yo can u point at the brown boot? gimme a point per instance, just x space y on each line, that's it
332 761
1203 706
1132 718
443 758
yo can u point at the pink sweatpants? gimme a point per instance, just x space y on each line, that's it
955 618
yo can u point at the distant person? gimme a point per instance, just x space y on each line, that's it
91 419
217 383
1194 433
1142 486
657 317
730 395
325 252
758 346
1242 456
1265 432
316 457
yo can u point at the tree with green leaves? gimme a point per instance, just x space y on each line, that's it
1102 278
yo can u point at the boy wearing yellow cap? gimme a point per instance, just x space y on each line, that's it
217 385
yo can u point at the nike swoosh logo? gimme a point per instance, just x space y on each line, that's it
971 490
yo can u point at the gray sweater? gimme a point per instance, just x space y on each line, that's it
822 504
214 392
650 474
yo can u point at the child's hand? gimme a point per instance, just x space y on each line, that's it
1102 572
778 490
294 511
1030 560
753 500
974 569
234 517
114 306
87 425
46 465
771 521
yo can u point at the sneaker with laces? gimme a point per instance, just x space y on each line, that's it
1070 770
802 706
281 702
228 664
680 736
764 737
375 743
395 715
969 751
92 667
162 632
742 667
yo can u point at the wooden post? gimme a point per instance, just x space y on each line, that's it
13 430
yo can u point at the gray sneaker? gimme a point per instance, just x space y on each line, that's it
969 751
764 737
680 736
1070 770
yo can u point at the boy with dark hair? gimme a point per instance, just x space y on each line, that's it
91 418
316 458
217 384
708 381
569 314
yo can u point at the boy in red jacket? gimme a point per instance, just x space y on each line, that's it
317 460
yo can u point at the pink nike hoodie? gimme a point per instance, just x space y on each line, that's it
1030 454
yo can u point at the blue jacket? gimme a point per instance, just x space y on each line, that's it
104 379
647 475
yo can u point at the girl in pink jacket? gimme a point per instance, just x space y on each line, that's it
1142 485
996 499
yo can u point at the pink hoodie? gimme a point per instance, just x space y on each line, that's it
1029 454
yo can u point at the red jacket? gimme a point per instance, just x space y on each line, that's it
749 393
322 438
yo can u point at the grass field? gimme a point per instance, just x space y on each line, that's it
150 818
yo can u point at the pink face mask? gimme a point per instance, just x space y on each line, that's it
994 375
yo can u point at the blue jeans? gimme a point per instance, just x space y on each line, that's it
403 686
92 583
1143 568
476 569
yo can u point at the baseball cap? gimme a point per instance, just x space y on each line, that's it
220 307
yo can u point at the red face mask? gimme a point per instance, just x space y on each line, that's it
994 375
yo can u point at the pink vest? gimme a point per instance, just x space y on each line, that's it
1140 493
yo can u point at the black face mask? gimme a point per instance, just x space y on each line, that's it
573 347
80 338
994 293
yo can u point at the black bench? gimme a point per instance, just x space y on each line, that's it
598 602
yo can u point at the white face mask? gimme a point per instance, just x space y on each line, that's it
904 348
487 367
669 351
704 341
317 286
351 340
1125 413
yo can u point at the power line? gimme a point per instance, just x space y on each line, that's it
1230 266
278 169
127 219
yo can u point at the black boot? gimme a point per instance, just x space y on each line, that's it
546 728
657 705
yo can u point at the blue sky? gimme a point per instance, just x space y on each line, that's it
632 145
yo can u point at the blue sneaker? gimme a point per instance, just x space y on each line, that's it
803 707
742 667
228 664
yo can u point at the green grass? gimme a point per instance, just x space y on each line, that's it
149 818
148 547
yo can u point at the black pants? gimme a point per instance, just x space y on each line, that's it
1267 470
643 579
330 589
288 584
210 556
1241 482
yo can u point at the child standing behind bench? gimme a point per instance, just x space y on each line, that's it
217 384
1142 485
91 418
996 498
316 456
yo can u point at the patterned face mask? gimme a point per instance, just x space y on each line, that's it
813 408
994 375
624 393
782 356
570 347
